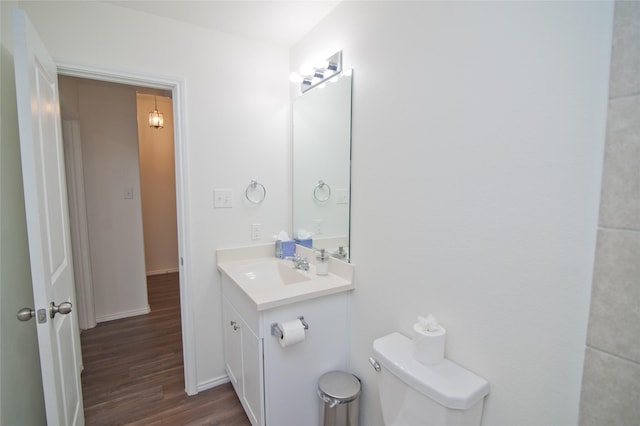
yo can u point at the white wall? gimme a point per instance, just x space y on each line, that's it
236 129
109 138
483 123
157 186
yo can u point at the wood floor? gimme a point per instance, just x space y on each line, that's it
133 371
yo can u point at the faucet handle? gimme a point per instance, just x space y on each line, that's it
300 262
304 263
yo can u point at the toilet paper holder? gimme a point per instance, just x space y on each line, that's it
276 331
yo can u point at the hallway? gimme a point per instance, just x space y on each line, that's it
133 370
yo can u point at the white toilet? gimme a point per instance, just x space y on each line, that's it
415 394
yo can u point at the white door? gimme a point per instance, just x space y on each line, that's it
47 225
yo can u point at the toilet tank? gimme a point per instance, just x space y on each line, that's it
414 394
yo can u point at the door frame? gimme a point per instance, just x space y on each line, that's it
177 87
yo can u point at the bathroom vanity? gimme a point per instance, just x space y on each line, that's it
277 384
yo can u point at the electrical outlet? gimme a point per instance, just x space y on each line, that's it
256 231
318 223
222 198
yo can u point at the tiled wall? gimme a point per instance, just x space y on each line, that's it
611 380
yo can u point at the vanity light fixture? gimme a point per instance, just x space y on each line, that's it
294 77
313 76
156 119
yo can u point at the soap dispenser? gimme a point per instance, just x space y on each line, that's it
322 263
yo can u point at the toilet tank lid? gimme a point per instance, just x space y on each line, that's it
446 383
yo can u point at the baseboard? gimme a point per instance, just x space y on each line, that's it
212 383
162 271
126 314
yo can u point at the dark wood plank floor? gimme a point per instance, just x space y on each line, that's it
133 371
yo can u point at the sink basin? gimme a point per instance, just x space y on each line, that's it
269 282
273 272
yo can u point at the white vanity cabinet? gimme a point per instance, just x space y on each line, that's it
277 385
243 362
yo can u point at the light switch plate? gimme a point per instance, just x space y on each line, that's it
222 198
128 194
342 196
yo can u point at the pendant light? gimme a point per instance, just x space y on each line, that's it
156 119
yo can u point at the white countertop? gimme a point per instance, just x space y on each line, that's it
271 293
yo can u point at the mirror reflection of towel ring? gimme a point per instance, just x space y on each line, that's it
253 187
322 187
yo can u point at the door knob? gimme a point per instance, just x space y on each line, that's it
64 308
25 314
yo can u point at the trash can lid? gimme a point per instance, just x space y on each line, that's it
339 385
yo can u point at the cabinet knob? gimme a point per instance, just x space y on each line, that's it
234 324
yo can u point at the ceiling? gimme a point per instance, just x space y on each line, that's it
278 22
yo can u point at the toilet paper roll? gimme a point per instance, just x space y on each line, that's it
292 332
428 346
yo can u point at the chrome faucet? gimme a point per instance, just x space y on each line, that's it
300 262
340 254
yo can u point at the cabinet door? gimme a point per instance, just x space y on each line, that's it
253 377
232 345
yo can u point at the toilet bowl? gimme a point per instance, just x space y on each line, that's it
415 394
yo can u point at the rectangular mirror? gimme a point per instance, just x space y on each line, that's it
322 165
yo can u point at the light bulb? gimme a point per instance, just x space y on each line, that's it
306 69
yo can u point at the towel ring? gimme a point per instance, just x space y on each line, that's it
253 187
320 186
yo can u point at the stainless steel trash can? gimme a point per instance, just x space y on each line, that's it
340 393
